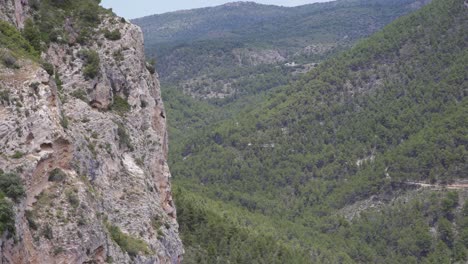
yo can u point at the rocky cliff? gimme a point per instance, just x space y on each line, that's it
90 145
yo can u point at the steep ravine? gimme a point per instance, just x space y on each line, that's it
92 153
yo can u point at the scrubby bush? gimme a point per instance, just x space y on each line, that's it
49 68
7 220
80 94
64 121
8 60
73 199
58 81
4 96
120 105
112 35
92 62
34 4
124 138
11 39
151 68
30 217
47 232
11 185
57 175
32 34
18 155
133 246
89 14
83 36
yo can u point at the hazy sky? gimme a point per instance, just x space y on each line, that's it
139 8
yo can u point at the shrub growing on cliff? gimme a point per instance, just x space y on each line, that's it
64 121
4 97
7 221
92 62
11 38
32 34
120 105
112 35
11 186
73 199
124 138
49 68
57 175
150 66
18 155
127 243
7 59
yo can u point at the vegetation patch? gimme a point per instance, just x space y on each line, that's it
11 39
92 63
80 94
120 105
18 155
11 187
124 138
47 232
57 175
50 15
64 121
30 217
73 198
4 96
133 246
112 35
150 67
32 34
7 216
8 59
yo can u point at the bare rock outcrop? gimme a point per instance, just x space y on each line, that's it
14 11
92 153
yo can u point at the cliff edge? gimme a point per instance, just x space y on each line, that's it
83 126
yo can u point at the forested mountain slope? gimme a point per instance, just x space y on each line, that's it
216 52
352 134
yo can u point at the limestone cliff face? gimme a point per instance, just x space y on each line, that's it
96 173
14 11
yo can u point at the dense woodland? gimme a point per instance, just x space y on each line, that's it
287 165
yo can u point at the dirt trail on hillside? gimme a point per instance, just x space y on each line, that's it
460 185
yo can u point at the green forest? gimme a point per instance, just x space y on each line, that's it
318 167
272 177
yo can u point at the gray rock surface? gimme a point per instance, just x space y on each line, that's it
14 11
114 161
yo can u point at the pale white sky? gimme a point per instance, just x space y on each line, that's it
140 8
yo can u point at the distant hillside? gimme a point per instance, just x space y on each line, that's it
194 43
330 167
204 23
